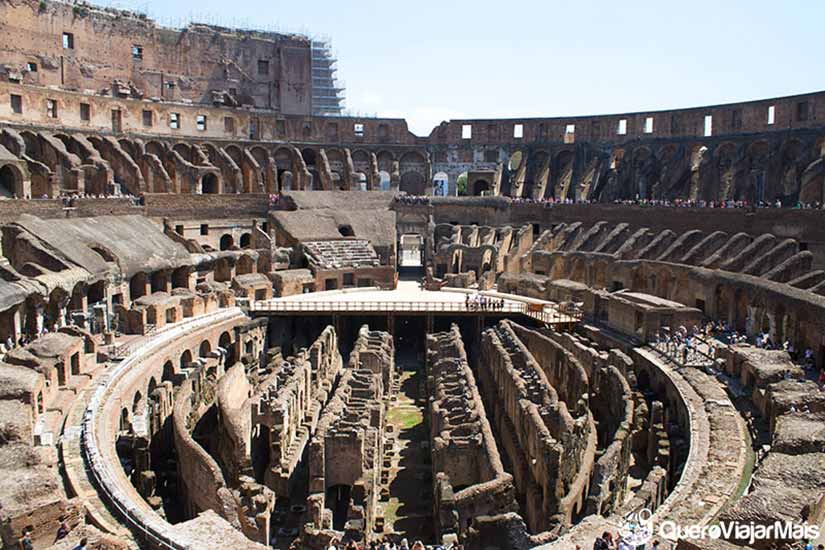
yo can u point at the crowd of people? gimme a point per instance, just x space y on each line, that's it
412 199
550 202
480 302
403 544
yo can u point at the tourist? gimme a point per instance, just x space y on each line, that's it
63 530
25 542
404 545
604 542
82 544
418 545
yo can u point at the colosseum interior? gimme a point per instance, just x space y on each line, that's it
229 321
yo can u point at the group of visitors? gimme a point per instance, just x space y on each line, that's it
480 302
609 541
683 344
25 542
70 201
403 544
412 199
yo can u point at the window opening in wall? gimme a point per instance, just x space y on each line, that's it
174 121
802 111
170 85
137 51
229 125
518 131
708 125
622 129
204 229
117 120
16 104
85 112
280 127
803 247
201 123
570 133
179 230
649 125
491 155
466 131
68 41
263 66
736 119
51 108
349 279
358 130
771 114
147 118
31 67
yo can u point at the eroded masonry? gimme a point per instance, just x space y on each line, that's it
232 317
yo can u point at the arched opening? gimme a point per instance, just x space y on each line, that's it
260 452
10 181
204 349
481 187
386 180
227 242
209 184
412 183
138 405
225 342
346 231
185 359
360 181
338 501
461 184
246 240
168 372
125 425
137 286
441 184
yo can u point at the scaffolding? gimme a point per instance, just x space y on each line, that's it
327 91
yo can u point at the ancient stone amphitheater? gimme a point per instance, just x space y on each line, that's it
227 321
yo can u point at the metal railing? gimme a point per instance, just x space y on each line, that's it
382 306
548 316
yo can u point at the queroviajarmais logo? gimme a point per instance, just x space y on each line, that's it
637 527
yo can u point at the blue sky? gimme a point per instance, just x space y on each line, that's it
432 60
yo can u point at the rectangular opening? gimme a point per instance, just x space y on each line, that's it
31 67
51 108
349 279
518 131
117 120
570 133
204 229
280 127
771 114
466 131
649 125
85 112
736 119
358 130
260 294
147 118
490 155
263 66
68 41
16 104
802 111
174 121
364 283
675 126
708 125
803 247
179 230
622 129
201 123
330 284
229 125
137 51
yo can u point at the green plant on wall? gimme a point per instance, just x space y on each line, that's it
461 184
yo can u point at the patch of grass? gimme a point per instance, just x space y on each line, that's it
405 417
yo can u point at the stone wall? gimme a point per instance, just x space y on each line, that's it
469 478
